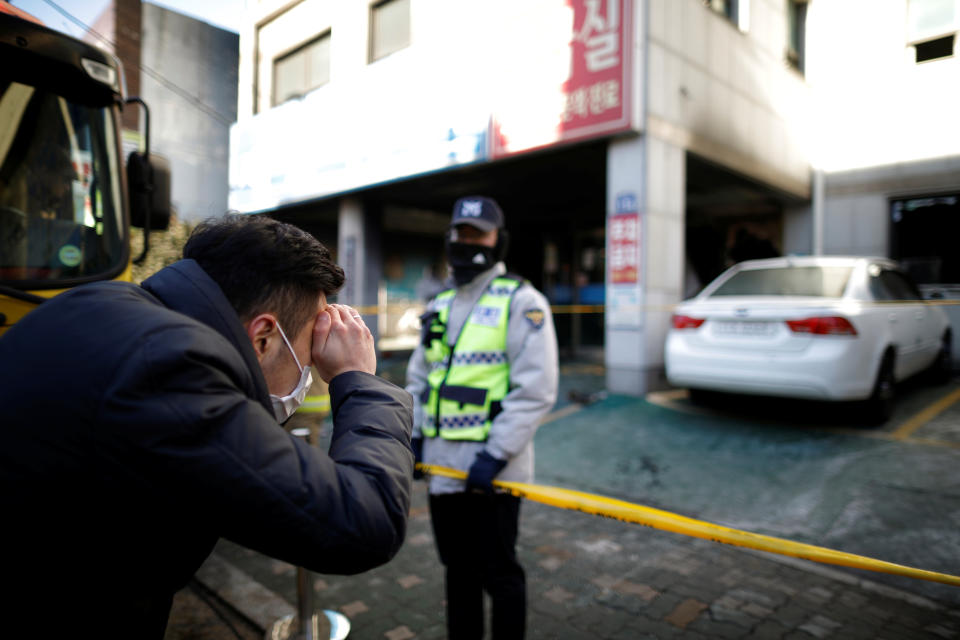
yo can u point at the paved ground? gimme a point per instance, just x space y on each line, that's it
595 578
590 577
199 614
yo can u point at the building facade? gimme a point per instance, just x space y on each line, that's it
887 148
888 140
186 72
638 147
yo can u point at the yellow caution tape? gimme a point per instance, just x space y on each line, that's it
561 309
666 521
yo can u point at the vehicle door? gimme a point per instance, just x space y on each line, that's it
894 305
927 332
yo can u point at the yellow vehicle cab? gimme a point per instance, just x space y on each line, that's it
66 202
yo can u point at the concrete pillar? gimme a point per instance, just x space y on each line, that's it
358 252
799 231
646 183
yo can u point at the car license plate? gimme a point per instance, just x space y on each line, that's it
744 328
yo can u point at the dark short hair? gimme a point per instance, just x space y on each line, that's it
265 266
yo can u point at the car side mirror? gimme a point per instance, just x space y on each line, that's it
148 178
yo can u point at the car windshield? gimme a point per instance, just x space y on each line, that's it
60 215
820 282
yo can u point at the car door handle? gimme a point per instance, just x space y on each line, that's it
918 315
892 317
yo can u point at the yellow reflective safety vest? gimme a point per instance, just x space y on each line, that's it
468 382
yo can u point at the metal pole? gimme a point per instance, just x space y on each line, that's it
307 624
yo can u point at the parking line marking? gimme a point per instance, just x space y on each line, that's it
934 443
926 415
673 400
669 394
561 413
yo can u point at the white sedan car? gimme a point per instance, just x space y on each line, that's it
825 328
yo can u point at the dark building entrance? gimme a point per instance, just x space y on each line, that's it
555 205
923 235
729 218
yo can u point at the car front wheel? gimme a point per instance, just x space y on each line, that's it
879 406
942 368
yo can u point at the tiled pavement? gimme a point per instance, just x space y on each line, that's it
198 614
590 578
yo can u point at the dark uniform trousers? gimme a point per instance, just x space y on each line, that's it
476 538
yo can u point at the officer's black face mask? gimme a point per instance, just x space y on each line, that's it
469 260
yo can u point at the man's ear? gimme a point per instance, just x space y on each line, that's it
260 330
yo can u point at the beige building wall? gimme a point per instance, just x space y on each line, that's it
272 28
457 49
725 92
886 126
722 91
705 86
875 105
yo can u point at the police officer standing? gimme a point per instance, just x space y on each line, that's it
483 377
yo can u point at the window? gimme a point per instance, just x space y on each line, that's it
60 218
389 28
923 234
819 282
935 49
893 285
796 33
301 70
932 27
726 8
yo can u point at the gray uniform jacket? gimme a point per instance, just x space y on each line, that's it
532 354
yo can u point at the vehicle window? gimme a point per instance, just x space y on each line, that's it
820 282
911 286
879 290
899 285
60 215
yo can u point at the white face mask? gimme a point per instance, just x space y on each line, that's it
284 407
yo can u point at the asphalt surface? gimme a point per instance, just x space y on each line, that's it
886 493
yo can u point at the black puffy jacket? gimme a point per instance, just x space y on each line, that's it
136 429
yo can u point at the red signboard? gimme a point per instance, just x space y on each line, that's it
594 100
624 258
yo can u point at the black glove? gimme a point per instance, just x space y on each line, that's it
417 445
482 472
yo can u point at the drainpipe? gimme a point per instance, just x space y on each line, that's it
818 212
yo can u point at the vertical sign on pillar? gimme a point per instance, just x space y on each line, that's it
624 299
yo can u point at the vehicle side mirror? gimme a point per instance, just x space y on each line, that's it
148 179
